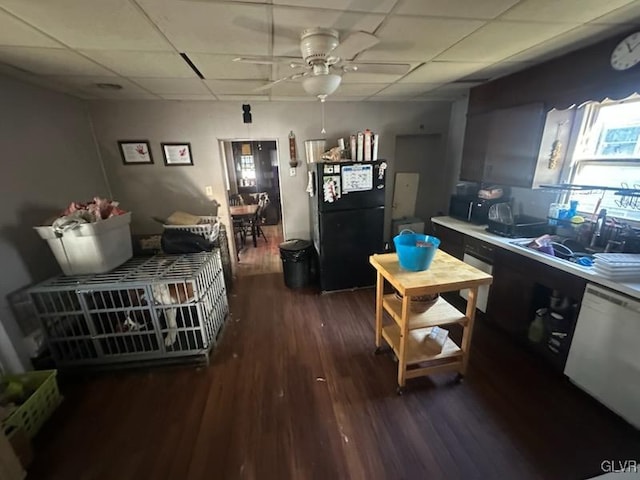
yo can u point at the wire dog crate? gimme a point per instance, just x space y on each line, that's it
164 308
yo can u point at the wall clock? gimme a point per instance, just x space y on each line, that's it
627 53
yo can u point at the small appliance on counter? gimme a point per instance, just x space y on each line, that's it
471 208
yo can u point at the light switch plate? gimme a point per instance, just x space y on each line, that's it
208 191
292 172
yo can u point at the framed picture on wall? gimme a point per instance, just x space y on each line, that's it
176 154
135 152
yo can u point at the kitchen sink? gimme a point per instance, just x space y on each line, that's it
561 252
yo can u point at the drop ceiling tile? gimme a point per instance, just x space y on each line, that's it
567 42
173 86
358 77
18 33
358 89
441 72
234 87
571 11
190 97
87 85
50 61
302 98
629 14
499 40
290 22
104 24
223 67
337 98
208 27
407 89
243 98
380 6
381 98
486 9
498 70
142 64
406 39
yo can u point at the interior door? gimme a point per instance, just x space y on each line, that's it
405 193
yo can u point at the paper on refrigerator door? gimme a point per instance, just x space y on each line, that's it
360 154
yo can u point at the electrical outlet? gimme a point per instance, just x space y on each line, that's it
208 191
292 172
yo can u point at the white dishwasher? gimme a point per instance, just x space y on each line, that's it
604 359
479 254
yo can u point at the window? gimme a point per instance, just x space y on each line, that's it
608 154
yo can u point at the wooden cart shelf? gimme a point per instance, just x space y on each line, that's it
417 350
442 313
407 333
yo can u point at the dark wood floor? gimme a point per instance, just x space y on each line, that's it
294 392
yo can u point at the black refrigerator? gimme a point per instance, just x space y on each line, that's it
347 221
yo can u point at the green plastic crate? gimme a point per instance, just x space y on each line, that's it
39 406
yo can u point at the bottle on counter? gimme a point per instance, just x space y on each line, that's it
554 211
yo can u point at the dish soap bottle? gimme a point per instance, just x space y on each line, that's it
536 329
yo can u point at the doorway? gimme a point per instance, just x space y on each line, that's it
420 186
253 187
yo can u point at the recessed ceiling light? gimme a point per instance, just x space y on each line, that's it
109 86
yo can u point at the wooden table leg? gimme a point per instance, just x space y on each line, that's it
253 233
404 334
468 329
379 294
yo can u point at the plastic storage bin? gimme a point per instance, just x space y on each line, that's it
412 257
91 247
208 228
39 406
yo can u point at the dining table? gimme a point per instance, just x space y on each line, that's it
246 212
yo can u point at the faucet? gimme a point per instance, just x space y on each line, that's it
600 223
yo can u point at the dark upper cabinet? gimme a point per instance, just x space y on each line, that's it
502 146
474 149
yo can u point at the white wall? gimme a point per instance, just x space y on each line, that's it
156 190
49 158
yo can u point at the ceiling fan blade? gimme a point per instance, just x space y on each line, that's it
293 61
354 44
269 85
384 68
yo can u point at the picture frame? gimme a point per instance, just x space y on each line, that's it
177 154
135 152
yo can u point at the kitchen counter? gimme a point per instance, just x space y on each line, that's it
479 232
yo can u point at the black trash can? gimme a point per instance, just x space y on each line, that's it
297 260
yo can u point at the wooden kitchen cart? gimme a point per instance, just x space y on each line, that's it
406 333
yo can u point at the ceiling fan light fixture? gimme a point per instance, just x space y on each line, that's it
317 85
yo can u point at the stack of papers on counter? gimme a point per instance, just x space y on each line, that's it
618 266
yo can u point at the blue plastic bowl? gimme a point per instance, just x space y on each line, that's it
411 257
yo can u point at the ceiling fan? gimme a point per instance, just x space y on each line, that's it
325 59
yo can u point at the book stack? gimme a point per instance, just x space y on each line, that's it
364 146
